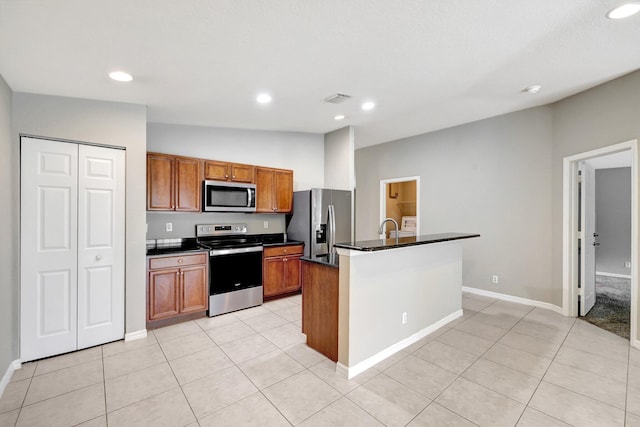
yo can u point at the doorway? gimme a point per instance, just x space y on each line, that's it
580 236
400 200
612 306
71 246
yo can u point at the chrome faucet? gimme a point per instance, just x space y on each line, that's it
381 229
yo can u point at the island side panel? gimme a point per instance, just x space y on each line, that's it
424 281
320 308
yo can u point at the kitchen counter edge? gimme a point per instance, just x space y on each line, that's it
425 239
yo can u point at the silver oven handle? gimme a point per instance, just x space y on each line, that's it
249 198
217 252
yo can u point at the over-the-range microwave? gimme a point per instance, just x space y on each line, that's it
220 196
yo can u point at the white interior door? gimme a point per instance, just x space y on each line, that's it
48 221
100 245
587 233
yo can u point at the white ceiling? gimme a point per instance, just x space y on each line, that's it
427 64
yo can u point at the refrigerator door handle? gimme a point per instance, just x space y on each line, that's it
331 220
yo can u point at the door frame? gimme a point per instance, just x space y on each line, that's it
570 234
383 198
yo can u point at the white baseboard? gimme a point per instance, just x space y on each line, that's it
620 276
635 343
132 336
515 299
350 372
16 364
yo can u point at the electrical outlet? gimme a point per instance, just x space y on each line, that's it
496 279
404 318
627 264
168 226
265 224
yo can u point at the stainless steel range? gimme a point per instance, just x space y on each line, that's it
235 267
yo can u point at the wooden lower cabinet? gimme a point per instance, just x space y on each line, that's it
320 286
281 270
163 294
177 285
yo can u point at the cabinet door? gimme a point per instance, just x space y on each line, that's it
194 289
283 194
273 276
291 274
163 294
188 184
160 182
216 171
264 190
241 173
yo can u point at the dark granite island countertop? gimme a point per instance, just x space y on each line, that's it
425 239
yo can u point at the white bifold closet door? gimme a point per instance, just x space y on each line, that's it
72 247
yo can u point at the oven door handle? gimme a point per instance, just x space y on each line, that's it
217 252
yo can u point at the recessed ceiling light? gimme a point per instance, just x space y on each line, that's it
121 76
624 11
339 117
264 98
533 89
368 106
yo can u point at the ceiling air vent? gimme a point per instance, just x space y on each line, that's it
338 98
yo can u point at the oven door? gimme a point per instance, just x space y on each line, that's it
234 269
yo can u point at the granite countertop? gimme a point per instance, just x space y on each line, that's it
329 261
379 245
190 244
282 243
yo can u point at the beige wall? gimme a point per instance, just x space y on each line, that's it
502 177
602 116
302 152
491 177
338 159
8 224
109 123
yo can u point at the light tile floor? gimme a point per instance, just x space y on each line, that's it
501 364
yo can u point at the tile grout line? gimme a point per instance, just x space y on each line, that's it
104 387
480 357
178 382
542 378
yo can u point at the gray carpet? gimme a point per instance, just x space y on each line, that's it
613 305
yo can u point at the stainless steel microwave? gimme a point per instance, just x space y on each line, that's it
220 196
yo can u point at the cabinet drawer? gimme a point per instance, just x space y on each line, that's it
177 261
283 250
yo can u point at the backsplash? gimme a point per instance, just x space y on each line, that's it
184 224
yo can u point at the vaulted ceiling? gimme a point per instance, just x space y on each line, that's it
426 64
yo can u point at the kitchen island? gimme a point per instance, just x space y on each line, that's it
392 294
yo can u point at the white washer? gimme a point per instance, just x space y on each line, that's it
401 233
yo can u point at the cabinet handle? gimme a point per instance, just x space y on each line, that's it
226 176
177 273
180 261
233 177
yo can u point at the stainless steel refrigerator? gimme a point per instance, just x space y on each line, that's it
321 218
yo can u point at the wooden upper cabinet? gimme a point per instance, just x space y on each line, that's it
160 182
222 171
274 190
283 197
188 184
173 183
242 173
216 171
264 190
